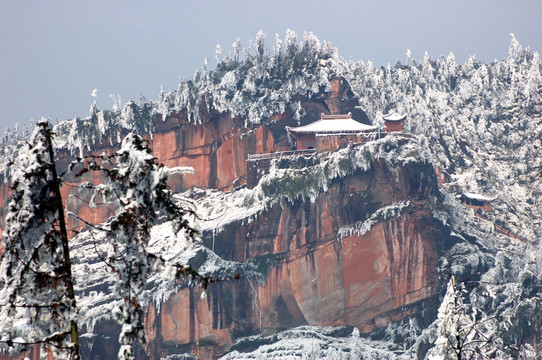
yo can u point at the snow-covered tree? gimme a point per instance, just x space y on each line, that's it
37 304
259 43
236 49
138 186
460 334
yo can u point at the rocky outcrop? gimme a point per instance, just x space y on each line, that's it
218 146
314 275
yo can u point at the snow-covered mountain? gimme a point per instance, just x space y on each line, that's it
480 124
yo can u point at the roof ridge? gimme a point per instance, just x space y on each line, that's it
394 117
336 116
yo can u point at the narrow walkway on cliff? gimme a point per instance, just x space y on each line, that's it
502 230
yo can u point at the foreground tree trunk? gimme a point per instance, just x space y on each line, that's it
37 297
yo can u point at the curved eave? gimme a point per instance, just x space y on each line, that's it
479 197
330 132
394 118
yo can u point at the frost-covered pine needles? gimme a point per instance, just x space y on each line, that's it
37 297
137 185
37 304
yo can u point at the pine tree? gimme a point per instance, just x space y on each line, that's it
37 297
460 334
138 185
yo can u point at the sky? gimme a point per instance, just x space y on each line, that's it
54 53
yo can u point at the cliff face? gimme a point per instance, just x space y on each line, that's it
216 147
321 268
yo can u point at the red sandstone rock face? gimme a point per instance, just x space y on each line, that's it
216 148
216 151
365 280
354 281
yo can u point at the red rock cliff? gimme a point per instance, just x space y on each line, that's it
216 147
317 278
362 279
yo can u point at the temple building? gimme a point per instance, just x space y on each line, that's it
394 123
477 201
330 133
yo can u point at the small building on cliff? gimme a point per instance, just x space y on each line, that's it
393 122
477 201
331 132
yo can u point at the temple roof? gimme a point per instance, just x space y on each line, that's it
394 117
478 196
330 124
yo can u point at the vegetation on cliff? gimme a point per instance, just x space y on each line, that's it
481 123
287 180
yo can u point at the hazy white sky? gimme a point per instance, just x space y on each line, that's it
54 53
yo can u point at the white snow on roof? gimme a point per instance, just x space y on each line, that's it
394 117
332 126
478 197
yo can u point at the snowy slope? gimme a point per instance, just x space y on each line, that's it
312 342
